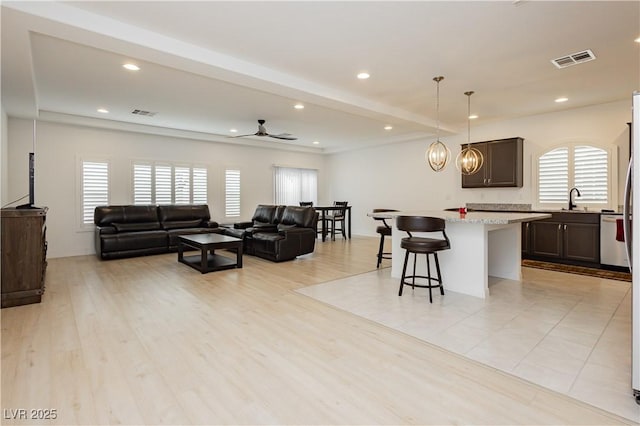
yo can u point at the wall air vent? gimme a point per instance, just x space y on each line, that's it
142 112
574 59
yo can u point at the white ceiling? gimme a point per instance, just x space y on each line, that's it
207 67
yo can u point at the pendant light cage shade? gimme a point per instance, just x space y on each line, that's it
469 161
437 155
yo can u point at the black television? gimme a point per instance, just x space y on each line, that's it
31 203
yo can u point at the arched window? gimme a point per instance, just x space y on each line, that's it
582 166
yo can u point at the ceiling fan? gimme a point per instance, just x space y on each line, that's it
263 132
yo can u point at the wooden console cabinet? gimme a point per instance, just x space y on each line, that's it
24 255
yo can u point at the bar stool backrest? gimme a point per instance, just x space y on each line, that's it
420 224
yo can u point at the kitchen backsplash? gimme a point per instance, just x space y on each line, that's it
499 206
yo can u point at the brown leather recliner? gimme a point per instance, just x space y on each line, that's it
278 233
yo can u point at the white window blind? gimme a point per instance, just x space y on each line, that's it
199 185
591 174
292 185
182 185
581 166
142 184
163 185
232 193
95 188
553 176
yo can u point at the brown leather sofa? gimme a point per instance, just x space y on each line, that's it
126 231
278 233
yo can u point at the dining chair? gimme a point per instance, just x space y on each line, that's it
337 216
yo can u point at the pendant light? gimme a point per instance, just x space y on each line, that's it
470 160
437 154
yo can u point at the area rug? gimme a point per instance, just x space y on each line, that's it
580 270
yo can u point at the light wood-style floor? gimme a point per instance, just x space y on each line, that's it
151 341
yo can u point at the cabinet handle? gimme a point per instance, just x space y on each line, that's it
489 180
559 227
565 227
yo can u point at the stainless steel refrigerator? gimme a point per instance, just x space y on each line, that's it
632 239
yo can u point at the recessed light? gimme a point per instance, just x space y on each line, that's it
363 75
298 106
103 110
388 127
637 40
473 117
316 143
560 100
131 67
233 130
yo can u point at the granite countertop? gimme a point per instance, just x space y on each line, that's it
474 217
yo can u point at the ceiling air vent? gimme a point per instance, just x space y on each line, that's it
142 112
574 59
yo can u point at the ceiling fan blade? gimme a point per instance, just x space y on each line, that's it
285 136
242 136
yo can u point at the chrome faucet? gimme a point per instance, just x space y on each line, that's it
571 203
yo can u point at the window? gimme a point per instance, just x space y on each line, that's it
293 185
142 190
182 185
199 185
95 188
581 166
167 184
232 193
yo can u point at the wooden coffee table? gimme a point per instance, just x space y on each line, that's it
208 260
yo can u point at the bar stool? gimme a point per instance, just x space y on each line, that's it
422 245
383 230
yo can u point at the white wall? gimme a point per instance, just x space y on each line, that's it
396 176
60 147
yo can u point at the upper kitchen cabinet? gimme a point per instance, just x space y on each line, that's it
502 166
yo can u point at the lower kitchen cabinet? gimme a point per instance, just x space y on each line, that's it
565 238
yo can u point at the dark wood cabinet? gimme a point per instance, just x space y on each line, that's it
565 237
502 166
24 255
546 239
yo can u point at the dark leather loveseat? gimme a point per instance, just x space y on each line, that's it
125 231
278 233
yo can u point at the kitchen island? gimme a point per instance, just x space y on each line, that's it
483 244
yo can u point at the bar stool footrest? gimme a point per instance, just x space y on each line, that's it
429 279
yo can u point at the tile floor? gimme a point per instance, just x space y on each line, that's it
569 333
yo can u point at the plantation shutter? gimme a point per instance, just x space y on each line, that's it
163 185
142 184
95 188
553 176
182 185
591 174
232 193
199 185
